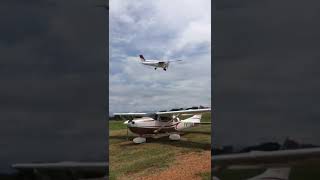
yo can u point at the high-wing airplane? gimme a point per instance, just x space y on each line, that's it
278 163
161 124
156 63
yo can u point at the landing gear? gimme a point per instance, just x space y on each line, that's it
139 140
164 69
174 137
155 68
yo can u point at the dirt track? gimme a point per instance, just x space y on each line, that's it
185 167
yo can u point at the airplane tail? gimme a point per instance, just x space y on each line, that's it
142 58
194 119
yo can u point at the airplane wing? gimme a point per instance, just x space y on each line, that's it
174 60
130 114
184 112
277 162
204 123
267 157
190 111
163 62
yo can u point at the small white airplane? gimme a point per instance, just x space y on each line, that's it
156 63
160 124
277 163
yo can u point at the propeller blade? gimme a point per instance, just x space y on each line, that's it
127 134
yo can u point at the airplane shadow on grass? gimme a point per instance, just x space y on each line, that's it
184 142
197 132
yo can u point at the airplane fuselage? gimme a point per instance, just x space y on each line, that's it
148 126
156 63
163 123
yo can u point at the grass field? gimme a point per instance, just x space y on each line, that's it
129 161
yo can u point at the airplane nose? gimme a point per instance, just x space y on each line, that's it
129 123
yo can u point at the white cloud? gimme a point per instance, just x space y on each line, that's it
159 29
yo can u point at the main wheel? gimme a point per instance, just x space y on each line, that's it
164 69
139 140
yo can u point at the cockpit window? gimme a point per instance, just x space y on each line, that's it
165 118
160 118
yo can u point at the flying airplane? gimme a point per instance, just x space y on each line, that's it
156 63
277 163
160 124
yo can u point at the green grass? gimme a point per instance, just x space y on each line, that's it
127 160
116 125
206 117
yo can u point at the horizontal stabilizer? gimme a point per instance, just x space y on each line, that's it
205 123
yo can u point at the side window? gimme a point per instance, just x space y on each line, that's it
165 118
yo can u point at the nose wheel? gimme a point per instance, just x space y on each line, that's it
174 137
164 69
155 68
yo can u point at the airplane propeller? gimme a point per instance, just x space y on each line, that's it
127 128
127 133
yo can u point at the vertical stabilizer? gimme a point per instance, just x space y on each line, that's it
194 119
142 58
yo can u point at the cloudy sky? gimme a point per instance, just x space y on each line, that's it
159 29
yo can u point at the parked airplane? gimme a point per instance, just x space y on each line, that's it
161 124
277 163
156 63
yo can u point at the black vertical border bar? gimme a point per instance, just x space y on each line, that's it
213 74
107 84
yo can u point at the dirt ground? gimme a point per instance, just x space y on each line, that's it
187 166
